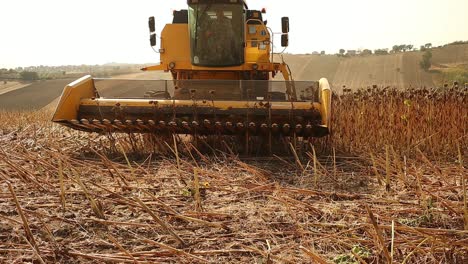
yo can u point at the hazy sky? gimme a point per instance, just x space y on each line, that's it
58 32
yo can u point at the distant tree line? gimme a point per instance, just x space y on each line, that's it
42 72
29 75
395 49
458 42
426 47
402 48
317 53
425 62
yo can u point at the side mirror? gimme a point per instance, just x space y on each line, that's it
284 40
151 24
152 28
153 40
285 24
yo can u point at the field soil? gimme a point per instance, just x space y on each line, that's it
311 67
389 186
401 70
395 70
451 54
40 94
34 96
11 86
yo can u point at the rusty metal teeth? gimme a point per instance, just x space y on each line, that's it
219 127
207 124
252 127
205 127
141 125
286 128
98 125
186 126
264 128
230 127
274 128
240 127
152 125
298 128
78 124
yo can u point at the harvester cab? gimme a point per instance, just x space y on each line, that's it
220 55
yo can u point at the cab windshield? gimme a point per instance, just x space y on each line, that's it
216 34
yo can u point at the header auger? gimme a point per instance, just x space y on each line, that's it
220 55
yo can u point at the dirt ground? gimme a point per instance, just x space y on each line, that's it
41 94
11 86
396 70
34 96
71 197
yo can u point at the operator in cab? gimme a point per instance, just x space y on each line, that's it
220 37
217 33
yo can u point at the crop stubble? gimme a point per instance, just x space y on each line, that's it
394 192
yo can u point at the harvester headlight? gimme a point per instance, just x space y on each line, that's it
172 65
255 66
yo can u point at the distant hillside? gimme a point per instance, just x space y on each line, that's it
451 54
401 70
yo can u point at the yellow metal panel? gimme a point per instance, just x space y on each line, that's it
253 53
73 93
325 100
175 42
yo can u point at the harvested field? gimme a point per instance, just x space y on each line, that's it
388 187
400 70
8 86
451 54
33 97
40 94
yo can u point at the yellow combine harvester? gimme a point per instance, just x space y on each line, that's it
220 55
